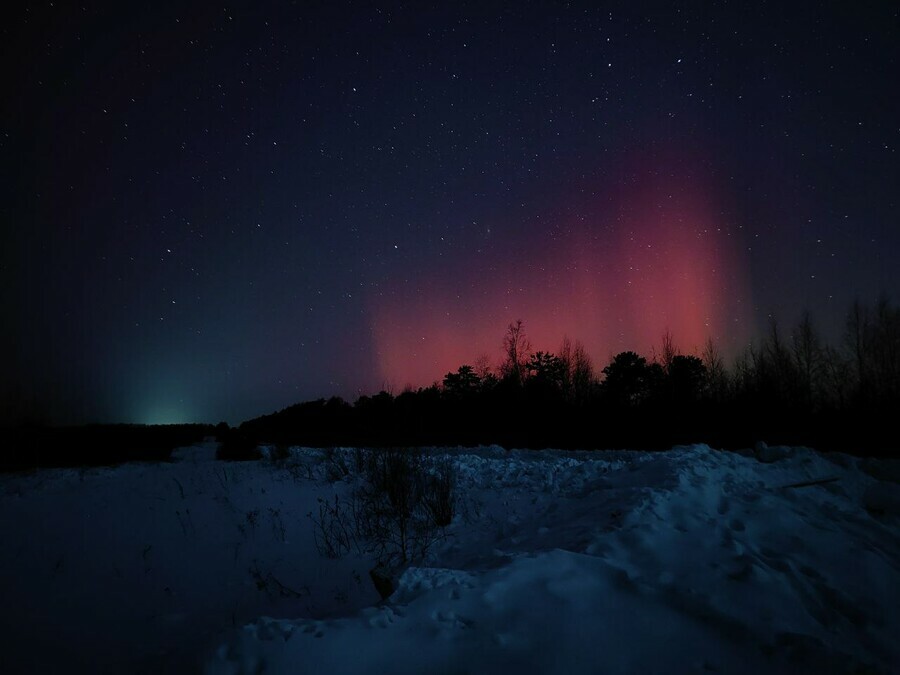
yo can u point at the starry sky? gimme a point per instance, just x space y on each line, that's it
214 211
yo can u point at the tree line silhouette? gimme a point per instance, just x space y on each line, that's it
789 387
35 447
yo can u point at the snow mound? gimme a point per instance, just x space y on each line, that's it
691 560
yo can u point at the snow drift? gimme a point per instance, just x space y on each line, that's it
691 560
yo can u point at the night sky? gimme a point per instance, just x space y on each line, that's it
213 212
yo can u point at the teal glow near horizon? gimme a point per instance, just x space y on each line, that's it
214 215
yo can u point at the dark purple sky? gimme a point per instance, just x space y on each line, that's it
210 213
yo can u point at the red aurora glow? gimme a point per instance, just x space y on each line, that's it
656 256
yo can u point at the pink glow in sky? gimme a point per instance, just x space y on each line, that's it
615 275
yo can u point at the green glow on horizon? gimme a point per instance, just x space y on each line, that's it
165 413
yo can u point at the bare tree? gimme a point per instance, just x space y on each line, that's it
516 351
565 358
578 370
743 379
855 332
836 377
582 373
872 341
717 375
483 367
808 357
885 349
773 366
668 352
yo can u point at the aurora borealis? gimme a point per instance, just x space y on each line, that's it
614 271
214 211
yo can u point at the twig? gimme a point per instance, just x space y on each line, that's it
181 522
286 591
807 483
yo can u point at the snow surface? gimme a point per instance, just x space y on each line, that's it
691 560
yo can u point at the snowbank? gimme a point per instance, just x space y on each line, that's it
687 561
691 560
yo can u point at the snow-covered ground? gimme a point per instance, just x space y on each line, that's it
692 560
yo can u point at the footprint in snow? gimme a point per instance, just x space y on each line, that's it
724 505
450 620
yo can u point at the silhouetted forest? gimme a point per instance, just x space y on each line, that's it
789 388
34 447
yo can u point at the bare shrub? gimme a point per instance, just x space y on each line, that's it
361 460
334 529
391 512
397 511
336 468
280 453
440 493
